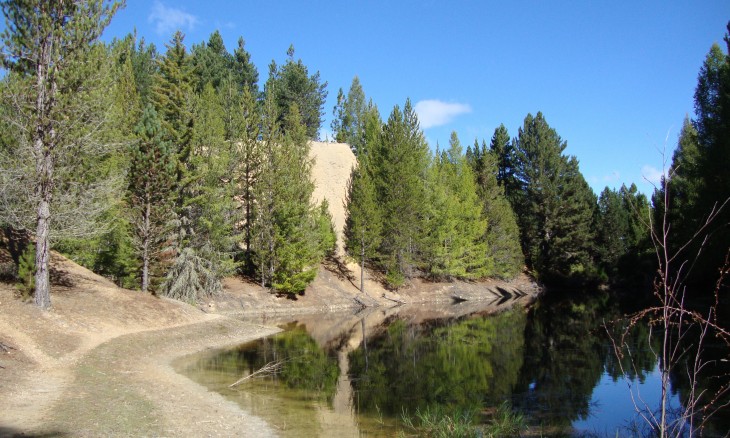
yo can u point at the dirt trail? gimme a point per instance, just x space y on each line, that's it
98 364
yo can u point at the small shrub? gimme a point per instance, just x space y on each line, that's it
26 272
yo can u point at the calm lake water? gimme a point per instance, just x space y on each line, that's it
356 375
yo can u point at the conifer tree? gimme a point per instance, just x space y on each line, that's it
456 225
698 182
502 237
245 73
363 224
248 169
145 63
297 241
685 184
151 176
173 98
503 150
348 125
51 46
712 121
400 163
611 230
210 189
211 62
287 241
292 84
262 228
554 204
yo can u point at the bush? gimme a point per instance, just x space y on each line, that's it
26 272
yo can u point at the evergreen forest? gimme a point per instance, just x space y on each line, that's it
167 169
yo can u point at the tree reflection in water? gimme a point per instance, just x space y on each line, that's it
551 362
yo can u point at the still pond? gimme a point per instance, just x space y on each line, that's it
359 374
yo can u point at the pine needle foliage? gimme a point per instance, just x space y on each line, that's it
191 278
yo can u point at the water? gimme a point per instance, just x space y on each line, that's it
356 375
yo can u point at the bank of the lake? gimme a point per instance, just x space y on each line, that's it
98 363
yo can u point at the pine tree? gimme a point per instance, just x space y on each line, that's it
209 188
698 183
712 112
456 225
248 157
51 45
553 203
612 228
400 162
363 225
173 98
503 149
151 176
685 184
245 73
348 125
291 85
297 243
286 231
502 236
211 62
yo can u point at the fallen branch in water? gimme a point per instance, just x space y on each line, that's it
394 299
269 368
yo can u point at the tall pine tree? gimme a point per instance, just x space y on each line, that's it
291 84
554 204
51 45
456 225
400 162
151 176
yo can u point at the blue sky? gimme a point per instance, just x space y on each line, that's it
615 79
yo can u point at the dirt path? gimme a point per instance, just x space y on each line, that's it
98 364
126 387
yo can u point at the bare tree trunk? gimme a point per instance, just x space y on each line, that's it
42 295
43 144
146 249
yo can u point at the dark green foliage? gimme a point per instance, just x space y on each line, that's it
400 161
697 183
623 246
504 152
211 62
363 225
151 176
291 85
245 73
502 236
554 204
286 237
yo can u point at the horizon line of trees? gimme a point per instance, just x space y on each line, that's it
167 172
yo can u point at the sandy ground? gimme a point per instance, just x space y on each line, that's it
98 364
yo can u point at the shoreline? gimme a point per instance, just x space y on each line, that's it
100 362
